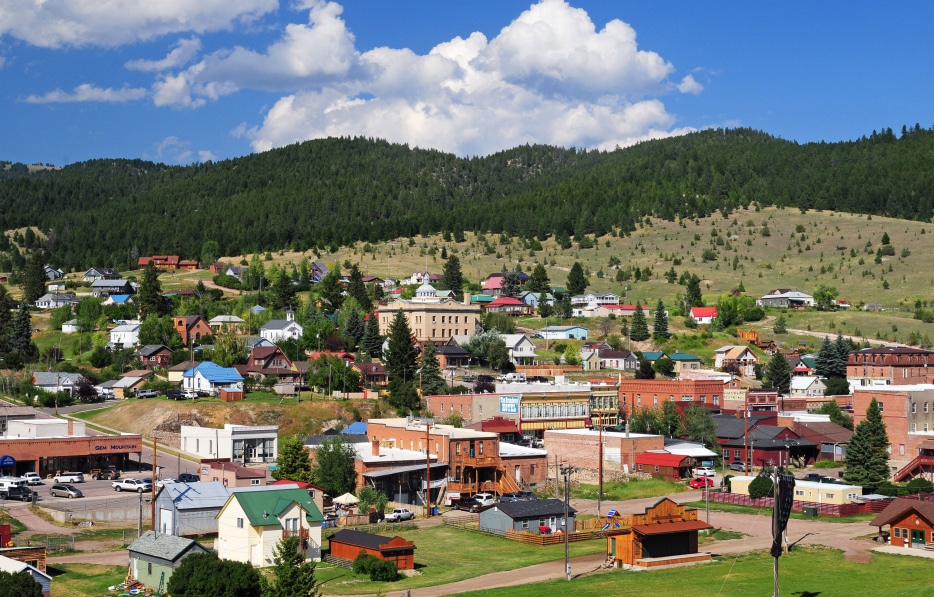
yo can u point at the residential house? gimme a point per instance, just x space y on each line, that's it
507 305
536 517
348 544
451 355
521 349
251 525
622 310
159 261
736 358
281 329
807 491
256 341
53 381
226 323
317 271
686 362
419 278
665 534
117 299
217 267
237 443
785 298
212 378
704 315
589 362
652 356
375 375
191 328
232 474
71 327
56 285
493 285
767 445
594 346
910 522
269 361
11 566
155 356
806 386
155 556
886 365
235 272
873 307
54 273
190 264
480 300
593 300
564 332
109 286
534 299
125 387
618 359
176 372
126 335
751 335
831 438
54 300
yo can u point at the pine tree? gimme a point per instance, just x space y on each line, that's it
283 292
857 455
778 326
353 327
330 290
294 576
512 284
34 278
150 292
778 374
825 364
885 238
21 333
660 329
539 282
431 378
639 330
692 294
577 282
372 342
452 278
357 289
877 468
6 320
842 347
401 353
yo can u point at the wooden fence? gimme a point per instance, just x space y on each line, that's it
834 510
597 524
473 526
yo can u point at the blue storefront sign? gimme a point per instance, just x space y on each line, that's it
7 461
509 405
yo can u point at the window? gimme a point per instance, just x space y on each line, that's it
901 449
150 568
881 407
239 523
829 496
255 481
914 407
799 492
640 467
656 468
638 399
737 454
458 448
481 448
914 426
655 400
716 400
897 533
925 407
525 524
925 427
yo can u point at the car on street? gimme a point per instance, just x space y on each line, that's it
33 479
737 466
399 514
700 482
466 504
65 490
705 471
72 477
108 474
188 478
138 485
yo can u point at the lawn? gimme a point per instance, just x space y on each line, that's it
719 535
445 555
810 572
617 491
700 504
84 580
15 525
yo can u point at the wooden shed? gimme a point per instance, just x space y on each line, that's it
665 465
911 523
348 544
664 534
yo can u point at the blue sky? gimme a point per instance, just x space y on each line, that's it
188 80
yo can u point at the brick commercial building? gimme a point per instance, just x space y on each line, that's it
896 366
581 447
908 414
46 446
639 393
432 319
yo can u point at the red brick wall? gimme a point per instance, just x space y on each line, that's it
532 470
584 450
894 415
631 390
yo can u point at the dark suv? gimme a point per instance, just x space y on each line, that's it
466 504
188 478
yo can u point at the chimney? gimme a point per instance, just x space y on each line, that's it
467 298
375 445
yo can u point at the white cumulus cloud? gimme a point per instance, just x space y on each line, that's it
57 23
185 50
88 93
689 85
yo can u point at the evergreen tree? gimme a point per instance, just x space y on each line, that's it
692 294
34 277
778 326
539 282
6 320
836 415
401 352
512 284
778 374
21 333
878 466
372 342
293 575
660 329
639 329
357 289
150 292
284 293
431 378
452 278
577 282
843 349
885 238
330 290
858 454
353 327
292 463
826 362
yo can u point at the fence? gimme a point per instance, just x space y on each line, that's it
116 509
834 510
473 526
597 524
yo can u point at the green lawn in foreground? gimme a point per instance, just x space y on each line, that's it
15 525
84 580
812 572
444 554
631 490
700 505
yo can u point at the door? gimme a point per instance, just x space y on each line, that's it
166 522
613 547
917 538
518 475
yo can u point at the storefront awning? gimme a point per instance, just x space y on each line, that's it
402 469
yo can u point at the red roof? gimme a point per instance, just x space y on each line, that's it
703 312
493 283
499 425
299 483
504 301
660 459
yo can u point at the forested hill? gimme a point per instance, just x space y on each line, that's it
103 212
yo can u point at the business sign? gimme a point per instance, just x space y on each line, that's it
509 405
205 470
7 461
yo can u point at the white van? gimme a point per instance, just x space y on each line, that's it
515 377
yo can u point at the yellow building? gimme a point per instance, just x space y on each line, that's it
808 491
430 318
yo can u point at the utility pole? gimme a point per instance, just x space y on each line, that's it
152 496
567 471
139 518
775 529
427 468
600 469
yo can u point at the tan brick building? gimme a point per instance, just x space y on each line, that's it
432 319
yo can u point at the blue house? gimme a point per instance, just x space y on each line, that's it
564 332
212 378
536 516
534 298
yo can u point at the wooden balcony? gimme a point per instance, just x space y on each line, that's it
479 461
301 533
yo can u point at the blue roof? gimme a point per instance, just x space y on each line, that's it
119 298
681 356
358 428
214 373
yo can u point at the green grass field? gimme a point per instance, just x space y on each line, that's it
15 525
857 518
811 572
84 580
614 491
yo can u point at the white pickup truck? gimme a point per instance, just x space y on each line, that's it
400 514
139 485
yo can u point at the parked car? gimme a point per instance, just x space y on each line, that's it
537 336
737 466
164 482
188 478
73 477
174 395
466 504
486 378
705 471
110 473
146 393
485 499
813 477
509 497
538 379
139 485
399 514
469 378
526 496
33 479
700 482
65 490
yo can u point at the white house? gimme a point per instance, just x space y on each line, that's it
126 334
744 359
807 387
52 381
704 315
521 349
70 327
785 297
101 273
11 566
564 332
280 329
239 443
251 524
211 377
54 300
593 300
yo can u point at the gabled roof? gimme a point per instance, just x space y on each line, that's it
371 368
616 354
51 378
533 508
506 301
703 312
900 507
803 383
151 349
823 431
513 340
682 356
279 324
263 507
164 547
653 355
184 366
119 283
450 350
214 373
120 298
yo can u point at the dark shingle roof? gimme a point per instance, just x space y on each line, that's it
166 547
367 540
534 508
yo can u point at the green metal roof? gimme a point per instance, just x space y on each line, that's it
652 356
481 298
263 507
681 356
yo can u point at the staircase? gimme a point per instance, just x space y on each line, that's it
916 468
506 483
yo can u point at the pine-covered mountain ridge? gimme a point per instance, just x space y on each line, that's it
338 191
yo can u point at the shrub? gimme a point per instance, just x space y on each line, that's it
826 464
375 568
919 485
761 487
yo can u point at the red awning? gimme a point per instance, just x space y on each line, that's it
671 527
499 426
660 459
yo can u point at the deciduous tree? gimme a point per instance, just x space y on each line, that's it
334 466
